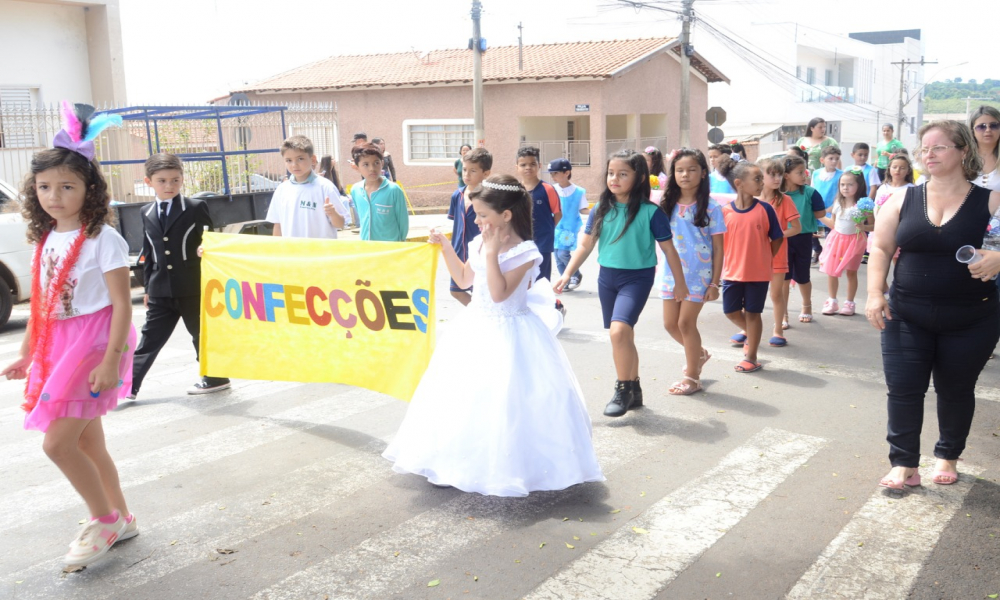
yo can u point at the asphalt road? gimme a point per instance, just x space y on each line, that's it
763 486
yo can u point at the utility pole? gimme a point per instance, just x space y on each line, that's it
969 99
477 75
685 122
902 89
520 48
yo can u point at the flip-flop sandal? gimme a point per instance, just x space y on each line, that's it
777 341
686 389
746 366
785 325
805 318
739 339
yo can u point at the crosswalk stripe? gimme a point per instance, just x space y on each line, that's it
201 529
879 553
773 362
157 415
444 531
639 560
35 502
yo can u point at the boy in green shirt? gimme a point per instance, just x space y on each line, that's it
380 203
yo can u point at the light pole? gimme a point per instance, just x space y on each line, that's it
477 76
685 116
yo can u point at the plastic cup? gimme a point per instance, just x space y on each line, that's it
968 255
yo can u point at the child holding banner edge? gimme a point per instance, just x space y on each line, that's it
498 411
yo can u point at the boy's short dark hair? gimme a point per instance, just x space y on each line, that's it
378 141
367 150
361 135
298 142
163 161
524 151
723 148
861 146
479 156
829 150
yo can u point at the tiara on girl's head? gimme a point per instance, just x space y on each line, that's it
503 187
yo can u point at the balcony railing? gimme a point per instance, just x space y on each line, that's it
825 93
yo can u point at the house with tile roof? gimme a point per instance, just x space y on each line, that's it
580 100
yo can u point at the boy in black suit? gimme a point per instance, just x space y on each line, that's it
173 226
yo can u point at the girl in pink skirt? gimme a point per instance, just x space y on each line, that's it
846 242
77 351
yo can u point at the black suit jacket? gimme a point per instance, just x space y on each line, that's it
172 268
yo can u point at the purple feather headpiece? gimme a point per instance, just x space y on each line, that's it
81 128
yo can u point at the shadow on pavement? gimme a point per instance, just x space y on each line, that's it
646 422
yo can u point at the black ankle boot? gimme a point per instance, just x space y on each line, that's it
621 401
636 394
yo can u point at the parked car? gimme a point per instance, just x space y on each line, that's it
15 253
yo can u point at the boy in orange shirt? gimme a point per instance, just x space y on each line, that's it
753 236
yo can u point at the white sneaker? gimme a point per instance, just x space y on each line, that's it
94 541
131 529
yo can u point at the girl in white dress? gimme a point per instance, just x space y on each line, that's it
499 410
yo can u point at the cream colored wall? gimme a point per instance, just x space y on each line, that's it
45 46
69 49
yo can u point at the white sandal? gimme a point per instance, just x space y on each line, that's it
686 388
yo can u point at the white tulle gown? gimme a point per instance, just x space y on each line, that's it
499 411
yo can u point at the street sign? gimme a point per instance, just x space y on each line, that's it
715 135
715 116
582 108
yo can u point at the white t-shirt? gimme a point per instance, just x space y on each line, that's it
298 208
85 291
842 221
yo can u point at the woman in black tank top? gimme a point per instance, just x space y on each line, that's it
943 317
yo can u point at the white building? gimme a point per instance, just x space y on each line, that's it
52 50
850 81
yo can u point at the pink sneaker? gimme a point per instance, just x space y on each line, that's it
848 310
830 307
94 541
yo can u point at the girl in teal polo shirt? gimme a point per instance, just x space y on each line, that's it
626 228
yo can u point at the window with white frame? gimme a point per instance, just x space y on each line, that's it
430 141
19 118
810 75
828 78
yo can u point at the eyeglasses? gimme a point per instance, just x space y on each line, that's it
982 127
933 149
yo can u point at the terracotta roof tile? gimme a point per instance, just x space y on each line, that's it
544 61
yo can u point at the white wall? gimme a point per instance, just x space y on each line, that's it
754 102
45 46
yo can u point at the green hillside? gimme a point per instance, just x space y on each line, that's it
954 105
949 96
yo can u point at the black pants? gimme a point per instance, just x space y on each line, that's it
161 319
952 343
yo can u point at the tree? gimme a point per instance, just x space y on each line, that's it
958 80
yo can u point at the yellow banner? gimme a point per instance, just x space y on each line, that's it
292 309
